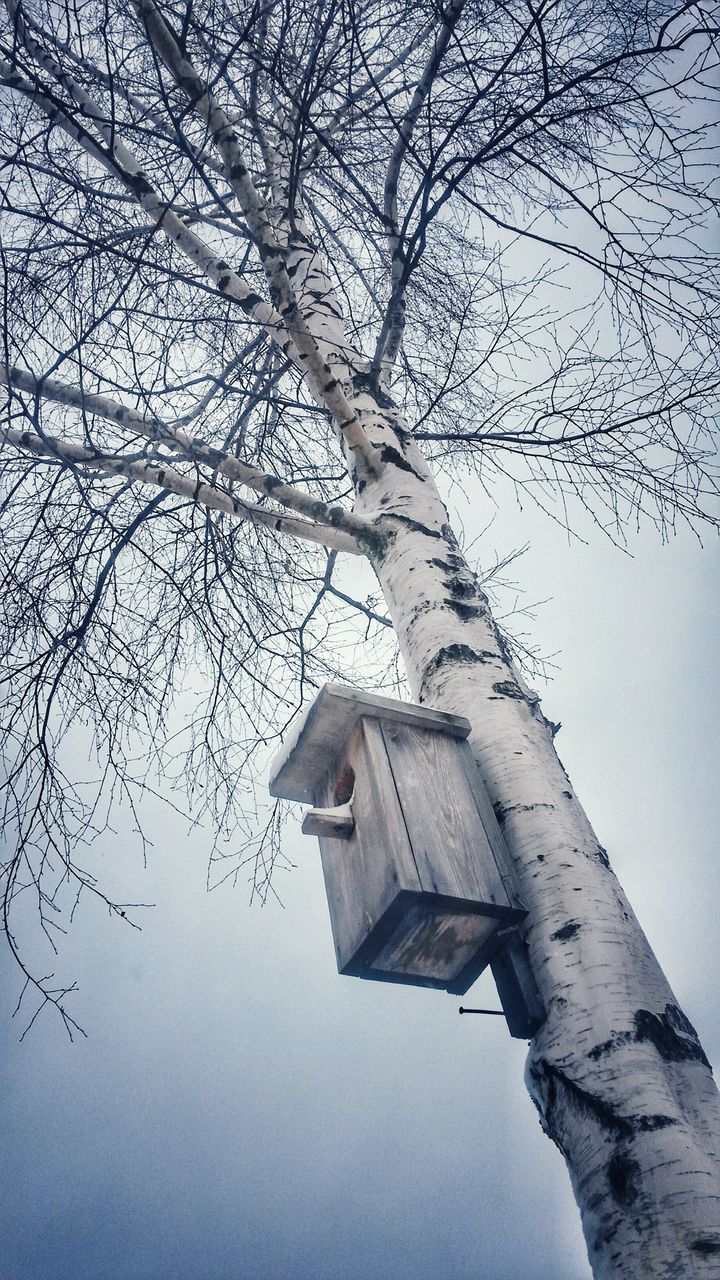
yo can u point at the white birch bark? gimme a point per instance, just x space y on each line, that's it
158 473
191 448
616 1072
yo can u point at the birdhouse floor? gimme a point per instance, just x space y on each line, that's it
424 941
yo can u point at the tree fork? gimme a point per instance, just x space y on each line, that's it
617 1073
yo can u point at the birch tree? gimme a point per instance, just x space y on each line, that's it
275 278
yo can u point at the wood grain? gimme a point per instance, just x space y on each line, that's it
364 874
338 823
449 842
432 942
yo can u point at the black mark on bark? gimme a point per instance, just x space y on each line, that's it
607 1046
465 612
567 932
450 564
502 810
454 653
672 1034
623 1175
449 536
508 689
706 1245
368 382
461 588
392 455
415 526
602 856
551 1080
649 1124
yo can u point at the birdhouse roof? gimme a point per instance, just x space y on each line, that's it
319 738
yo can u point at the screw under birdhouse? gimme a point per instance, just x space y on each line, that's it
497 1013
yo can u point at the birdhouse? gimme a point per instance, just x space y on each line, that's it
416 870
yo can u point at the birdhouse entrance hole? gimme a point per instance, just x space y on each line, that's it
344 786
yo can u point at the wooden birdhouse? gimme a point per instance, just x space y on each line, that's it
416 870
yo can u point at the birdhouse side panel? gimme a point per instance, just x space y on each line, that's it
365 873
449 842
490 823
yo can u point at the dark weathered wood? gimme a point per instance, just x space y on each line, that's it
517 989
478 963
338 823
298 772
434 942
385 943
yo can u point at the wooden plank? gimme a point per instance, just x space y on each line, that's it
297 772
517 989
485 956
369 960
432 942
338 823
365 873
448 840
381 708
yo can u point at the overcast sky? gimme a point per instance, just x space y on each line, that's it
238 1110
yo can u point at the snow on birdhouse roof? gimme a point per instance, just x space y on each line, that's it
320 735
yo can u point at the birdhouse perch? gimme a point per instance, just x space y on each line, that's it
418 878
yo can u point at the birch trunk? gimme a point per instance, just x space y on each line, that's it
617 1072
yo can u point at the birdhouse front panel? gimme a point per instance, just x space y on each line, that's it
410 847
365 872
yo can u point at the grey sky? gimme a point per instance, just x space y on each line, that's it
240 1111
